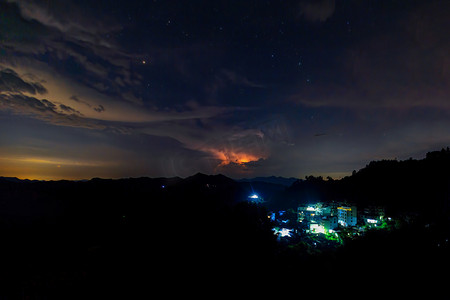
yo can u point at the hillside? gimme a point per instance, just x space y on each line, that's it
100 233
419 186
104 232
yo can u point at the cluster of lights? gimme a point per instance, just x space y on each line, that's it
316 228
283 232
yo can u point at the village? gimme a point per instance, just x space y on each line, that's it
327 224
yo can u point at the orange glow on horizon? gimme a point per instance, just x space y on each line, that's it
43 168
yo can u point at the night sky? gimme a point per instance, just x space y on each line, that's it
244 88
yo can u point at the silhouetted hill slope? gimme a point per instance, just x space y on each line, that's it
207 190
421 186
124 232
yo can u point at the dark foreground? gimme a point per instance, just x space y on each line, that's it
104 238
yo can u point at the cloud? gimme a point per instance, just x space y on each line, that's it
10 81
226 78
226 148
47 111
64 34
20 97
67 17
99 108
404 67
78 100
317 10
69 109
239 169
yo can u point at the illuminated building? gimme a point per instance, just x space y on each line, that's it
372 214
316 228
306 213
324 225
330 222
347 215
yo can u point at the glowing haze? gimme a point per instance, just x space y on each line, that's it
155 88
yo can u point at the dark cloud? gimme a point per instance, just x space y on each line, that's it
224 79
47 103
239 169
12 98
406 66
25 104
77 99
71 41
70 18
99 109
70 110
47 111
317 10
10 81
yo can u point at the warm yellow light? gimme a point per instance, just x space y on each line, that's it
243 161
344 208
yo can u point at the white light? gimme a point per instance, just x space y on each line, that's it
316 228
285 232
373 221
310 208
254 196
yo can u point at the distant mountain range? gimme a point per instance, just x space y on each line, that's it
189 189
15 179
199 176
271 179
412 185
